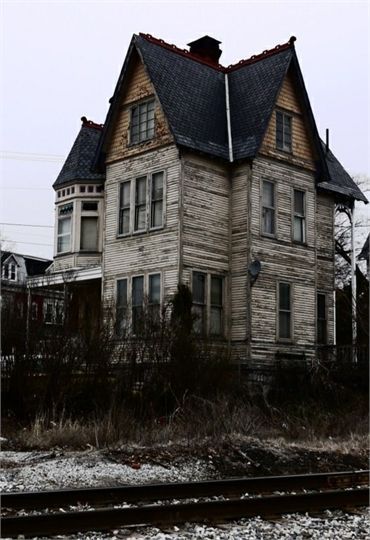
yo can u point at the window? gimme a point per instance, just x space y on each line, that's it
34 310
154 296
142 122
321 319
121 307
64 235
199 301
283 131
99 189
285 311
216 305
10 271
48 312
124 208
140 204
147 214
72 189
90 189
89 206
299 225
82 189
268 207
59 308
89 233
156 211
137 303
68 191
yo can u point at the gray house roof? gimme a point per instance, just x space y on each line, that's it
78 165
192 93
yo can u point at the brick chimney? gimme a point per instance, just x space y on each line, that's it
207 48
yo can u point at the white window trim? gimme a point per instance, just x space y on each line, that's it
278 338
275 184
148 191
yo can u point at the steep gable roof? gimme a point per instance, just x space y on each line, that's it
78 165
192 93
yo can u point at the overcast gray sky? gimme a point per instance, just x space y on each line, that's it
61 60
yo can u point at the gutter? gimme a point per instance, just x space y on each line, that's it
228 120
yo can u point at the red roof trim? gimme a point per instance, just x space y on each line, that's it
91 124
219 67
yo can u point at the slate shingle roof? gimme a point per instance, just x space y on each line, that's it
34 265
340 180
78 165
192 93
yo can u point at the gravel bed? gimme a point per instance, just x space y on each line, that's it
27 471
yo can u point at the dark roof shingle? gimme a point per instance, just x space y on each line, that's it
78 165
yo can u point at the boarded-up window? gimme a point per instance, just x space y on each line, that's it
285 311
268 207
283 131
321 319
142 122
89 233
299 219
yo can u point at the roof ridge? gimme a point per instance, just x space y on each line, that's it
219 67
90 123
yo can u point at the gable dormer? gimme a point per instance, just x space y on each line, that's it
12 270
289 136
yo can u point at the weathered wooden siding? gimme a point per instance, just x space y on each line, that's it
206 188
325 254
240 256
283 260
144 252
302 150
138 88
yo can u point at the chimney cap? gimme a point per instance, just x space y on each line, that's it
205 40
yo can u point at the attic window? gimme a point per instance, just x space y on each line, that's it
10 272
283 131
142 122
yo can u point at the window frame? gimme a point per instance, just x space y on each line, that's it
142 205
148 204
64 218
262 206
208 305
137 105
325 341
289 339
285 148
302 217
151 304
126 324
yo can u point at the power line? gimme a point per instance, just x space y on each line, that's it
27 188
27 225
23 156
28 243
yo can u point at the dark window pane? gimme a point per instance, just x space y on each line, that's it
321 308
284 296
122 292
141 190
268 195
216 291
199 318
199 281
89 206
299 202
154 289
216 321
137 291
284 324
89 233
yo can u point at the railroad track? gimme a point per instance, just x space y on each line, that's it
326 491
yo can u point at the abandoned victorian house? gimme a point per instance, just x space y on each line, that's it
214 177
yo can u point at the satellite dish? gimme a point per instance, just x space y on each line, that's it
254 269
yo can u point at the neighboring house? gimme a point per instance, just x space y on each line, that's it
21 306
211 176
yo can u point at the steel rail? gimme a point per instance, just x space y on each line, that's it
108 519
180 490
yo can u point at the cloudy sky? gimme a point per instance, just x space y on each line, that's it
60 60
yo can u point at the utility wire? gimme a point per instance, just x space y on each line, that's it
23 156
28 243
27 225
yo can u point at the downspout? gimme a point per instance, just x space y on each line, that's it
228 120
231 159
